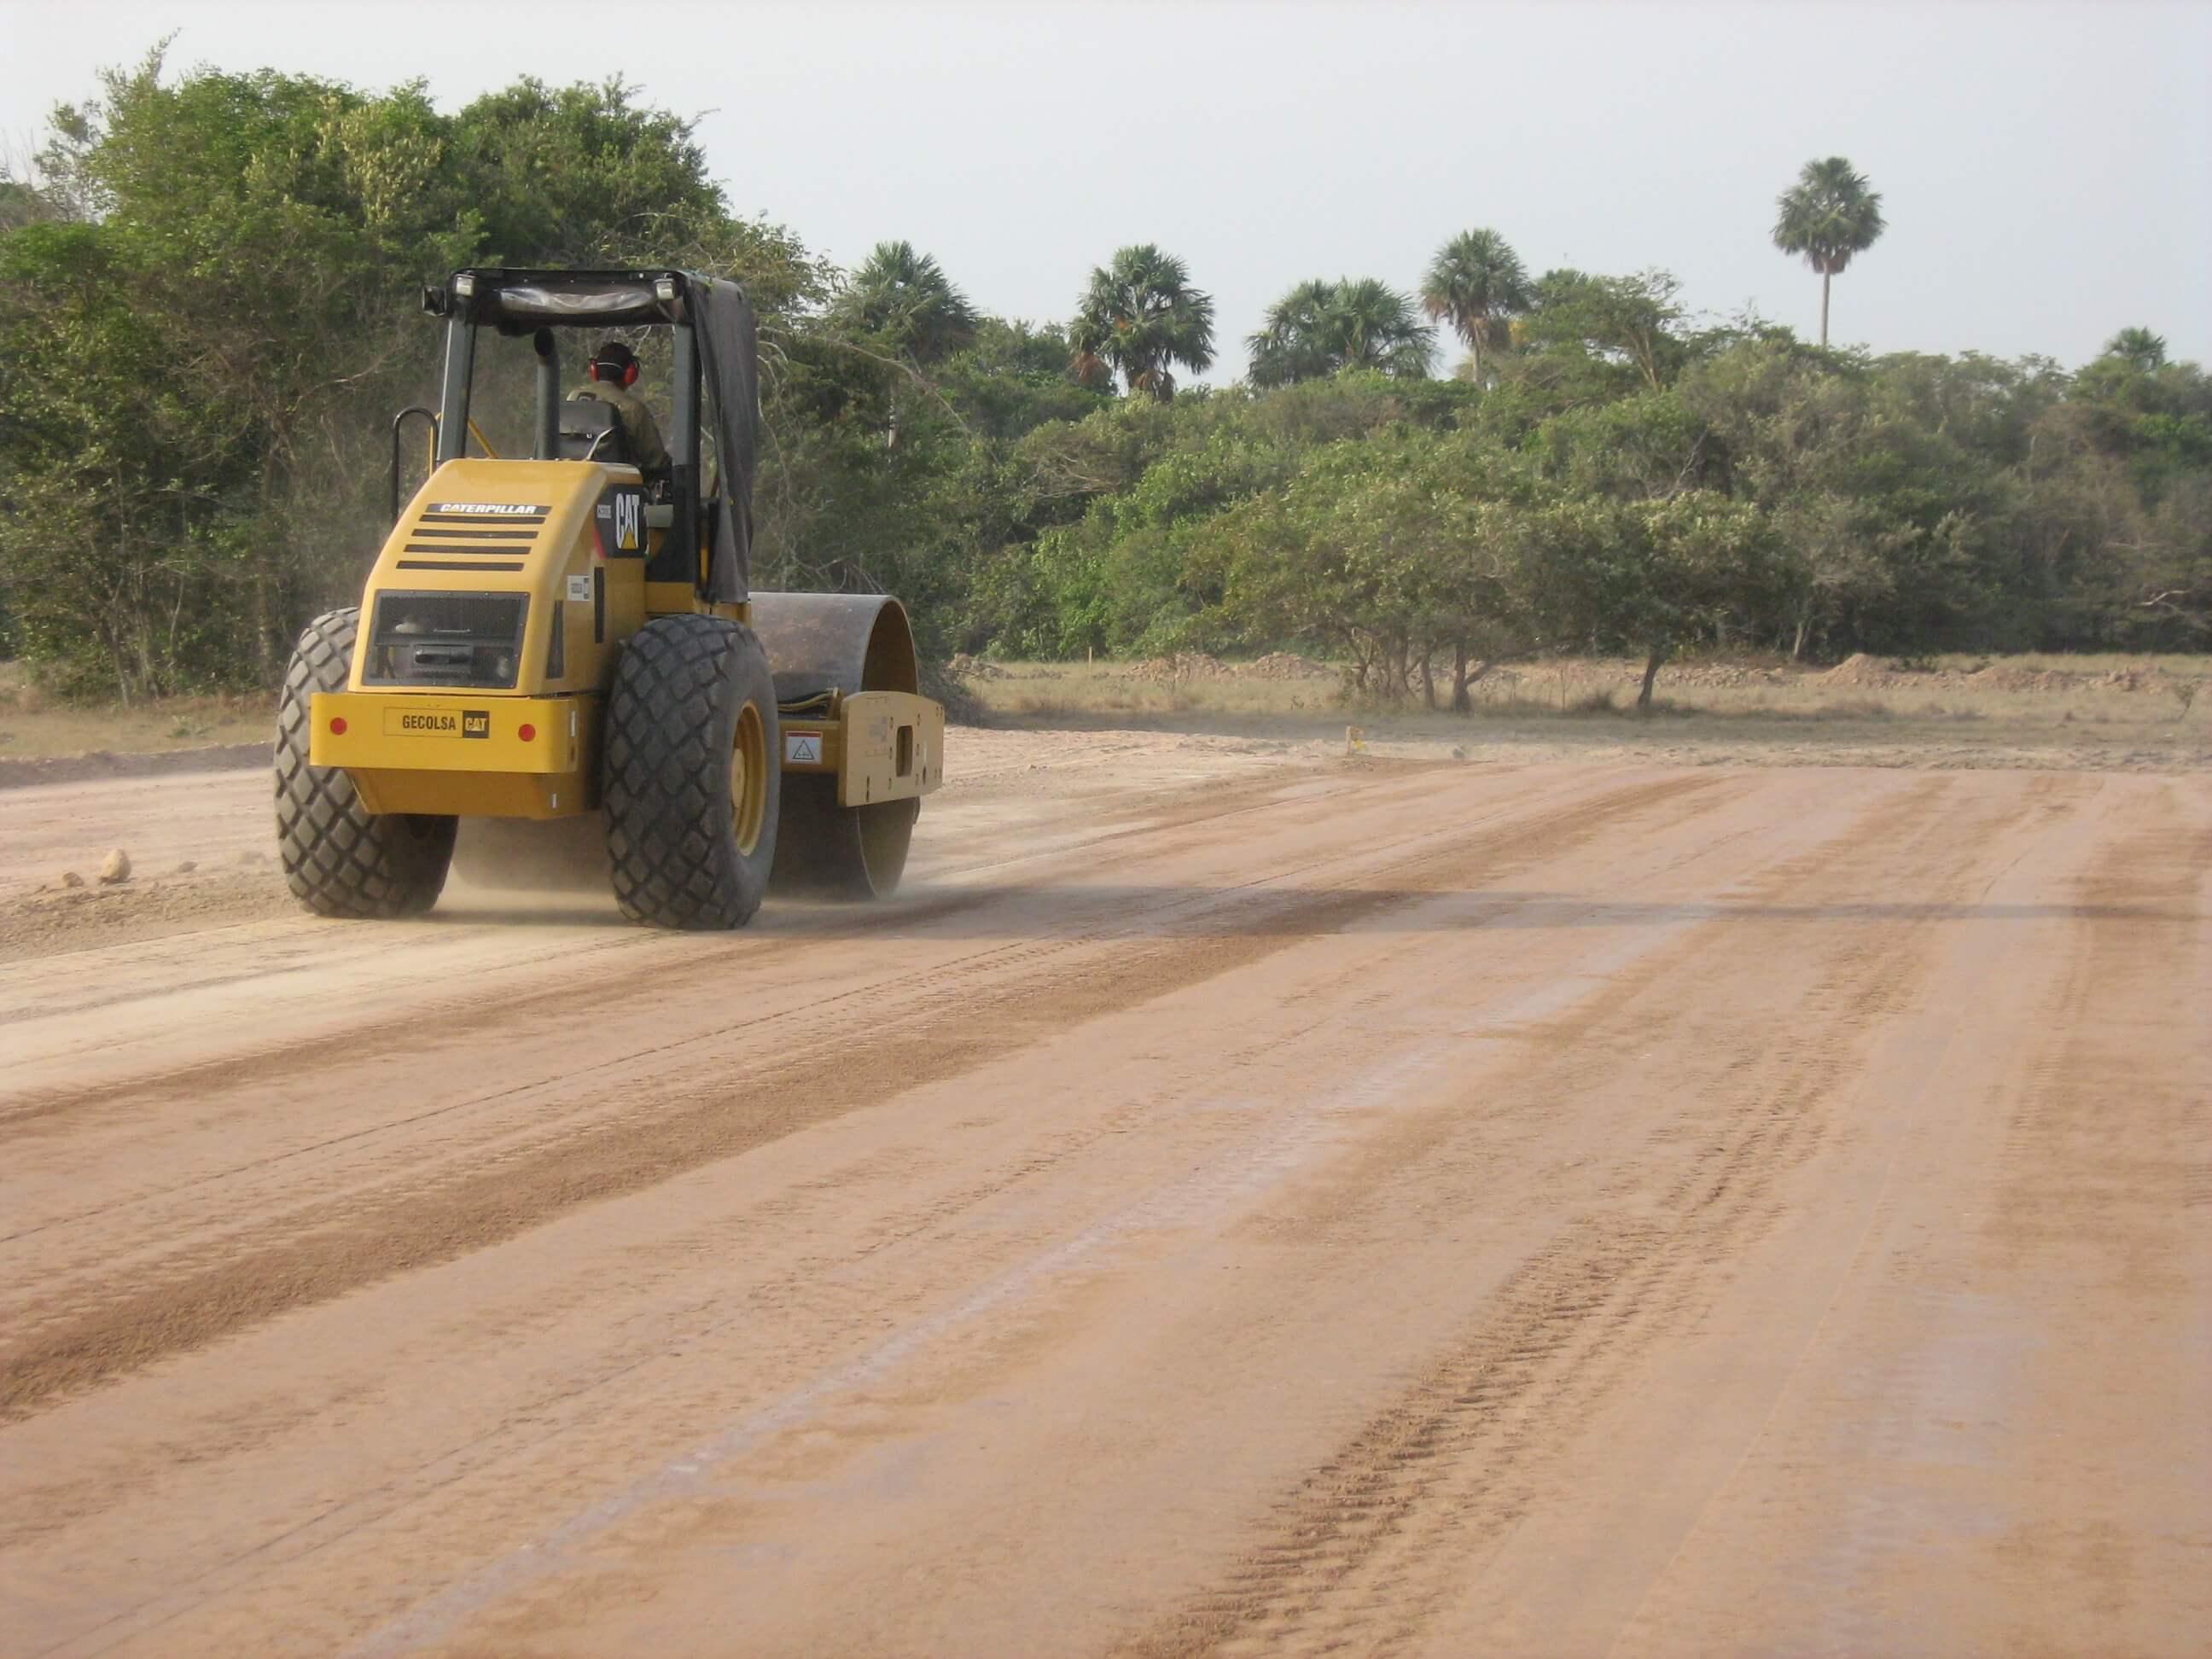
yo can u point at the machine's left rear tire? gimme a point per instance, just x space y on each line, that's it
340 859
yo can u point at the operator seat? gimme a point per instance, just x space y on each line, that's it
592 431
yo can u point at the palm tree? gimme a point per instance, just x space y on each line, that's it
1290 346
1140 315
1375 327
2138 346
905 298
1828 216
1320 327
1477 283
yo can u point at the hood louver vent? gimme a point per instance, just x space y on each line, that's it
471 536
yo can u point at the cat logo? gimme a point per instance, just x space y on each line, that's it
476 722
620 516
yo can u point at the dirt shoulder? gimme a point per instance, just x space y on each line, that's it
25 772
46 741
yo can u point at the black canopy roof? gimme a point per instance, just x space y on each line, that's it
722 323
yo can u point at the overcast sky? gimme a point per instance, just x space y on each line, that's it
2046 170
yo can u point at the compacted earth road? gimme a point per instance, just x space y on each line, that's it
1235 1201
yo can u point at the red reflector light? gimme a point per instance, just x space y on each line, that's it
337 725
526 731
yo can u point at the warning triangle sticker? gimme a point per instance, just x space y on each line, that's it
802 748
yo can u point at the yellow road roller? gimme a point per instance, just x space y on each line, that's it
570 636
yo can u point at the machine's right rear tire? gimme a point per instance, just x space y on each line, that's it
340 859
691 784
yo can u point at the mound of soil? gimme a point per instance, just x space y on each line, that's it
1709 674
2137 679
1857 669
2028 679
1285 665
1183 666
1187 666
1733 674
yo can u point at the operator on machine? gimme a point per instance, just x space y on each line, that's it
613 371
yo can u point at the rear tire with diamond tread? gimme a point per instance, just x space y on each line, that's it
690 782
340 859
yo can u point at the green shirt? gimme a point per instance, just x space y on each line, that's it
637 424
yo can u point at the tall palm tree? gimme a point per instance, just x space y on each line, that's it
1828 216
2139 346
905 298
1140 315
1291 344
1375 327
1477 283
1321 327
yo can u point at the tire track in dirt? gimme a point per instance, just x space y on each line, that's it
2073 1192
96 1333
2157 871
1242 1169
1651 856
1379 1000
461 1019
821 1024
59 1507
1375 1540
31 1104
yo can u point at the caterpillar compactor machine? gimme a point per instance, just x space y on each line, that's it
565 637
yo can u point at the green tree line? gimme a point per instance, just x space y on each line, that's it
207 319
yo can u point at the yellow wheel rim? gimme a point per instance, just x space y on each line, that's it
749 779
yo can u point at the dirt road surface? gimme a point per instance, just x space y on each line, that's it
1235 1202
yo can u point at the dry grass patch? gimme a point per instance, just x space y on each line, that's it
33 727
2110 711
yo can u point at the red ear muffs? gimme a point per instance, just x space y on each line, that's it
590 371
629 374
